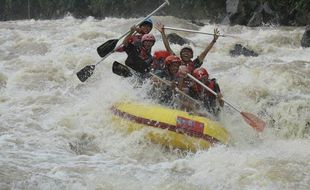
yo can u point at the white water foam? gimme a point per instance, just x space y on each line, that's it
56 133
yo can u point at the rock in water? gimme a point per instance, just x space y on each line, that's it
305 41
240 50
176 39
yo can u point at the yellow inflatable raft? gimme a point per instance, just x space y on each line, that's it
170 127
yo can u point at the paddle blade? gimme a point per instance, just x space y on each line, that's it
121 69
255 122
85 73
107 47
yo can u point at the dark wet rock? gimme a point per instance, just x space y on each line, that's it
198 23
302 17
305 41
239 11
263 14
240 50
256 19
176 39
255 13
250 13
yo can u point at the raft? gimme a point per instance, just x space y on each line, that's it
169 127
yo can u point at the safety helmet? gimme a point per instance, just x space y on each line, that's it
162 54
147 21
200 73
187 48
148 37
172 59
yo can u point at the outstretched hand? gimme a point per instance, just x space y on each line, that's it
220 99
133 29
160 27
216 34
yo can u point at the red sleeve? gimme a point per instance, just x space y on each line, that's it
120 48
131 39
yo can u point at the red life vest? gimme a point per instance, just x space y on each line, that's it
211 85
199 89
190 65
144 54
159 59
134 39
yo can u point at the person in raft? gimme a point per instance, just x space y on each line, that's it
186 52
139 54
210 101
135 38
159 60
174 75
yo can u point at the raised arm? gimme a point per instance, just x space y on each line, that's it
203 54
161 29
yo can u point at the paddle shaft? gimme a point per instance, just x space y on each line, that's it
165 82
251 119
210 90
177 89
108 48
148 16
193 31
104 57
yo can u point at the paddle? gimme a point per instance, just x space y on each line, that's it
120 69
88 70
108 47
196 31
251 119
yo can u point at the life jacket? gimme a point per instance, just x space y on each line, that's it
198 89
211 85
190 65
134 39
138 58
145 55
159 59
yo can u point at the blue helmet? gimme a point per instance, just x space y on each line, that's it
147 21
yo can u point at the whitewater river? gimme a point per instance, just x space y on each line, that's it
57 133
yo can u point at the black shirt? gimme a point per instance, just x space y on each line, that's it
134 61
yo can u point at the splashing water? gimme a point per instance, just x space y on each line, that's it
56 133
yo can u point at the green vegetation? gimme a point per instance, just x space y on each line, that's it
290 5
43 9
190 9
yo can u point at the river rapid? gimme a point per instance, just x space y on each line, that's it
57 133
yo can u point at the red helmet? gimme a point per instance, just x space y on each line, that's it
199 73
148 37
172 59
161 54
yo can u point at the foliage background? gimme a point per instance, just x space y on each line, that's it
189 9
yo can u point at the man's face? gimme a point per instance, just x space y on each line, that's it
186 55
145 28
148 44
174 67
